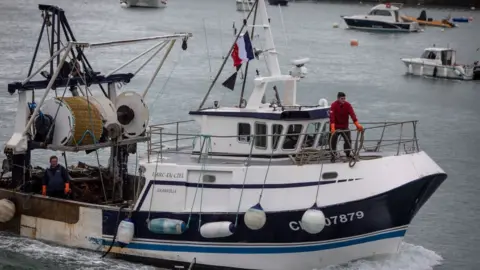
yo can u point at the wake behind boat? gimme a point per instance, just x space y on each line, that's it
255 188
383 17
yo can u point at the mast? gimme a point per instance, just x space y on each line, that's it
246 67
271 53
229 52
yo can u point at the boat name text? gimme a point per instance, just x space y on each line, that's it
332 220
168 175
166 190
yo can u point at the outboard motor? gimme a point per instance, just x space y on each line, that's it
476 70
423 16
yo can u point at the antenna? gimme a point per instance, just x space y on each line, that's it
208 51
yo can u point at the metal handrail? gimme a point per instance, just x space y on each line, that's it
382 142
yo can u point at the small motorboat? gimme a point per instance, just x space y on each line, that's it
244 5
278 2
440 62
462 19
383 17
143 3
424 20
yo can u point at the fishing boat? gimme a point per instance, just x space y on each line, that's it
143 3
423 20
244 5
441 63
254 187
382 17
278 2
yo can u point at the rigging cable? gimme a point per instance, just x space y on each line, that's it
247 165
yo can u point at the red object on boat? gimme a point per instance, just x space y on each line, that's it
387 5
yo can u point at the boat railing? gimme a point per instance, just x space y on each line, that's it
393 137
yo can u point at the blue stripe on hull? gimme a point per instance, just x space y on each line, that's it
260 249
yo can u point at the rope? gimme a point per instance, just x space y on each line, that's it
318 186
356 150
266 174
209 147
244 179
153 185
135 181
180 58
58 108
206 137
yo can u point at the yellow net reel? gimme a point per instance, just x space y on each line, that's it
87 125
77 122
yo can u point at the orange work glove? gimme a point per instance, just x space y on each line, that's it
359 127
67 188
44 190
332 128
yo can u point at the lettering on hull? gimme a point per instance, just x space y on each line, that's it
166 190
168 175
331 220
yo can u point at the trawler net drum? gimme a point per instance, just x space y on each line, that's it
132 114
76 121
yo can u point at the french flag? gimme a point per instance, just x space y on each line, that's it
242 50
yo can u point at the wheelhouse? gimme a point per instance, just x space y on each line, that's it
443 55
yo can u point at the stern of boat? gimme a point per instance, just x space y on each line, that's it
414 27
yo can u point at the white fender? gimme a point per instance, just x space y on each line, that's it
7 210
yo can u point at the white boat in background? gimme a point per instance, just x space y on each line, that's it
441 63
383 17
244 5
144 3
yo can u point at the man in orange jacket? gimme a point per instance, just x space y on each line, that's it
56 181
340 110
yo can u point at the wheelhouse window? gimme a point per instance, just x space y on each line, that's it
292 136
380 12
429 55
276 132
325 135
260 135
312 130
244 132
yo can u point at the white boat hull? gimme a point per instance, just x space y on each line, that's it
144 3
385 243
367 208
417 67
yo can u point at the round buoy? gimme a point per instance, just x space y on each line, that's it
255 218
335 25
7 210
472 8
313 221
125 232
353 42
443 29
470 19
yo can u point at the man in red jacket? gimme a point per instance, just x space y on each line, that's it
340 110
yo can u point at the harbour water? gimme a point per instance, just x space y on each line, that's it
444 235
